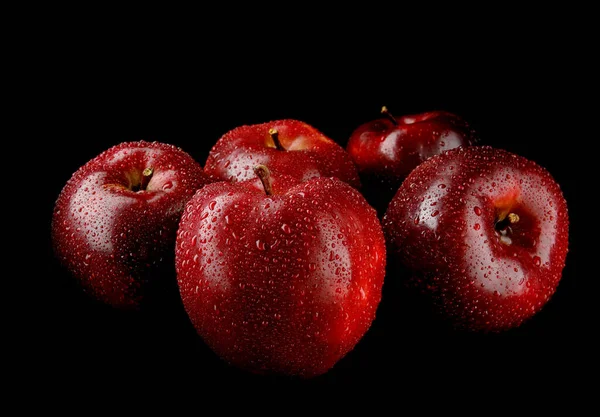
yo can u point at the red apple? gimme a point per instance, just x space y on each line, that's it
280 278
386 150
485 233
115 221
289 147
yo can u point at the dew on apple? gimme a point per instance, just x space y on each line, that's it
284 258
95 208
513 228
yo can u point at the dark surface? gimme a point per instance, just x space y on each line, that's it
97 104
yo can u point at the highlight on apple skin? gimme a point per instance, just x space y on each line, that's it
484 233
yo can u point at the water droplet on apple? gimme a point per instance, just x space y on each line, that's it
537 261
477 211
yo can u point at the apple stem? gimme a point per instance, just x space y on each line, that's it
146 177
504 224
264 174
275 136
386 112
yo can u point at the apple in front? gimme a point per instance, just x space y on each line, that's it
485 234
115 221
387 149
280 277
287 147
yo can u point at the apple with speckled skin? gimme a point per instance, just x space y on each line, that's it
484 233
387 149
288 147
115 221
280 276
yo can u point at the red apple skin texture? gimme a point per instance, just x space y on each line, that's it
281 284
309 153
385 153
441 226
115 240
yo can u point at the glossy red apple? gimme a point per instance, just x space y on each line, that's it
115 221
386 150
485 233
289 147
280 278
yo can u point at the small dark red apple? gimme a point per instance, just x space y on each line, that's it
289 147
485 233
280 278
115 221
386 150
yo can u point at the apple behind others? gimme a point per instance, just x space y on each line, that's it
387 149
288 147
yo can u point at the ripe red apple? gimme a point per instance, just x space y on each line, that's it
115 221
387 149
280 278
485 233
289 147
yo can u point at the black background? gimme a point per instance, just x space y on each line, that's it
92 97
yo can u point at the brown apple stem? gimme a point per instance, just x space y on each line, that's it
275 136
264 174
386 112
504 223
146 177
